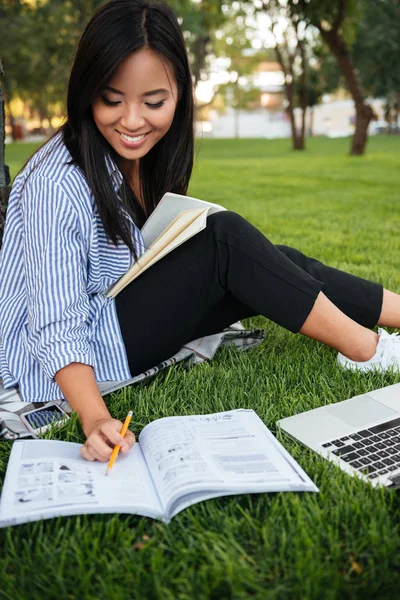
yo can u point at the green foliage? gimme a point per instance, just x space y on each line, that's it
340 543
377 47
234 43
38 42
199 20
330 12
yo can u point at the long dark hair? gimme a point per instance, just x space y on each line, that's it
117 29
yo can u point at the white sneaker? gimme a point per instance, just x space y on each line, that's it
387 355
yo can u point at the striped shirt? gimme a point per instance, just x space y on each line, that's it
56 262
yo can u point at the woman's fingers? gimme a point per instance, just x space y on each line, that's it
111 432
100 443
98 448
86 454
130 440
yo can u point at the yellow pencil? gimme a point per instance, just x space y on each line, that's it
118 448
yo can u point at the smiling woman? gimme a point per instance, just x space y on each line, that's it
74 216
73 229
124 114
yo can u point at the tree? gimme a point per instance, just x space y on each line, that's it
14 17
336 20
376 53
38 41
199 21
290 49
323 76
234 43
4 172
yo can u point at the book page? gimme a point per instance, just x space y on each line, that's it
196 457
187 224
167 209
47 479
175 220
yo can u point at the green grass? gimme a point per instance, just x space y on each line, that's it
341 543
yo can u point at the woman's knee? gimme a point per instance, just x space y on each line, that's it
228 221
294 255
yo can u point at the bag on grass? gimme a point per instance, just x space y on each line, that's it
13 411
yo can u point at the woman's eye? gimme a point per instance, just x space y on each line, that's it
109 102
158 105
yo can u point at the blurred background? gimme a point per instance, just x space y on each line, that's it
261 68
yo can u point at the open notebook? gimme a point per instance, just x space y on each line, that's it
177 462
175 220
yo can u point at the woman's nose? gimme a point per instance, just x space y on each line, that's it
132 118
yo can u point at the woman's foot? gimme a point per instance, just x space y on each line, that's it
387 355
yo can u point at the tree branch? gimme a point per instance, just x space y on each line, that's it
340 16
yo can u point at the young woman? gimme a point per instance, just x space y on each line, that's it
73 228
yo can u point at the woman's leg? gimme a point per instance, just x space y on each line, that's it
164 308
390 313
329 325
356 297
359 302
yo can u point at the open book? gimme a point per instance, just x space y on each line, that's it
177 462
175 220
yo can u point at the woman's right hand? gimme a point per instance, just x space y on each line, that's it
78 384
102 436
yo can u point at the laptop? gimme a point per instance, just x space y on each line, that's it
360 435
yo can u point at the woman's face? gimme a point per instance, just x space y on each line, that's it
137 107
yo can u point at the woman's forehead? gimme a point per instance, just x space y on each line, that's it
142 72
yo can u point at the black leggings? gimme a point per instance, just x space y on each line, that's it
228 272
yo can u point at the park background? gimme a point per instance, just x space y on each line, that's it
327 187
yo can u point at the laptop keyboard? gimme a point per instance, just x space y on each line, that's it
374 451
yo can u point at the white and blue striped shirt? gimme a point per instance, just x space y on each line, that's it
55 265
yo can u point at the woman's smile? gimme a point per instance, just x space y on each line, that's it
141 97
130 141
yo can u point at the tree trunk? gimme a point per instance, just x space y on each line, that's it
364 112
388 116
311 122
396 110
303 88
4 172
236 122
297 140
303 121
200 55
11 119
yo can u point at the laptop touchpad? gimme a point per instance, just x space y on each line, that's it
360 411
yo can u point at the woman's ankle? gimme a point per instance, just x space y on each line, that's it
365 349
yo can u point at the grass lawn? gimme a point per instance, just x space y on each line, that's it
341 543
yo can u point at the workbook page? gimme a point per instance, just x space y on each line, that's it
197 457
49 479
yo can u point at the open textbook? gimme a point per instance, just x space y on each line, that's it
175 220
177 462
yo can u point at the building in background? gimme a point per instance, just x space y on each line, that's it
266 117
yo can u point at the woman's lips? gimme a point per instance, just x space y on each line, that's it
132 141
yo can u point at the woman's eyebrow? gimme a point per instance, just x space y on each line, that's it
108 88
154 92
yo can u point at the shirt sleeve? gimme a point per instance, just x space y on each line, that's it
56 277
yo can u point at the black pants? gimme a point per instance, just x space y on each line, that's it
228 272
